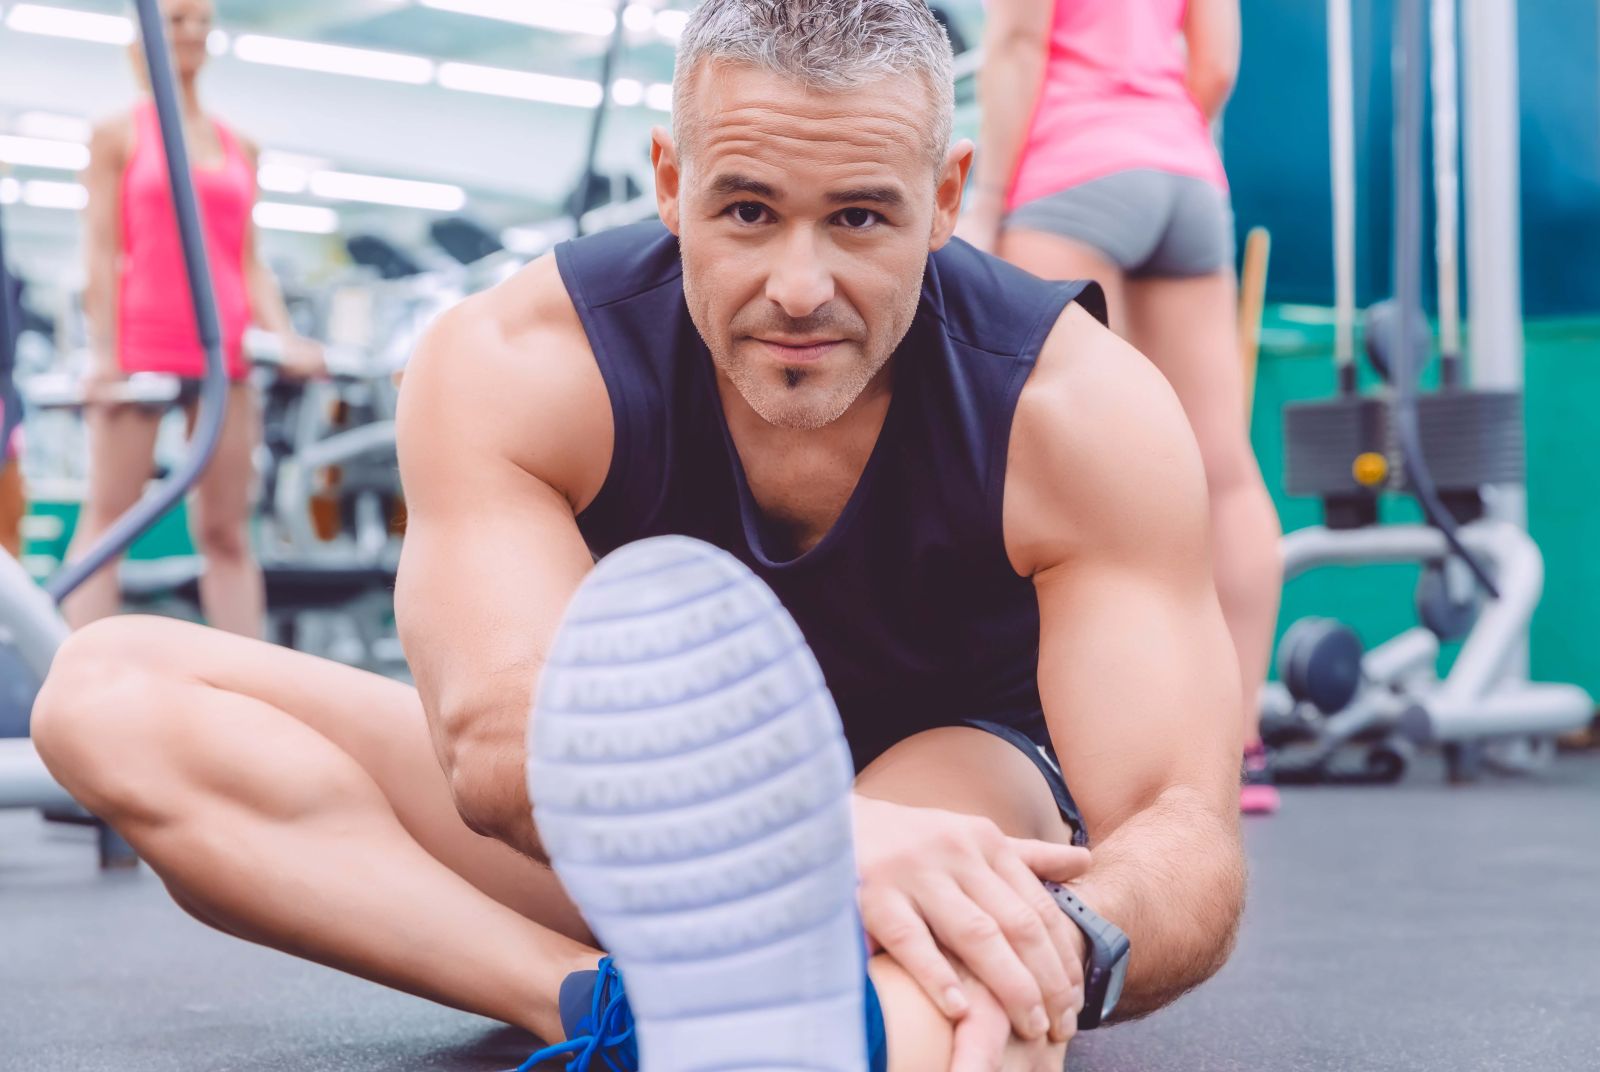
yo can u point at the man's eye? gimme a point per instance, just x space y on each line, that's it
858 219
749 212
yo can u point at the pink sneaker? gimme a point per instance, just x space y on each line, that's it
1259 799
1257 794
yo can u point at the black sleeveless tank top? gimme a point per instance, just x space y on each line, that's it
909 602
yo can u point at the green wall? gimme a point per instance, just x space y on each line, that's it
1563 417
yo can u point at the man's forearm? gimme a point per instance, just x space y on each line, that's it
1173 878
482 752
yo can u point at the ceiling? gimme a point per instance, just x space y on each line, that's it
500 109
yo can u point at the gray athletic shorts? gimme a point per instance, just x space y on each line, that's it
1148 223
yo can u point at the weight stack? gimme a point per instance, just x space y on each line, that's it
1469 439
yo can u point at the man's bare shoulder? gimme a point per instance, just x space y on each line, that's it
509 373
1100 451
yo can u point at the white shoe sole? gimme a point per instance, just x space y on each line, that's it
691 783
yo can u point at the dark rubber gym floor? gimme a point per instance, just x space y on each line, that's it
1418 927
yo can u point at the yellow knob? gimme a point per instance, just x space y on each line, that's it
1370 469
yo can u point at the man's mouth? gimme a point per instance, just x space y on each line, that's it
799 351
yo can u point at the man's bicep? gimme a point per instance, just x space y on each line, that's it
1107 510
481 588
496 443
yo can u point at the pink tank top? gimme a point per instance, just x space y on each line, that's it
155 320
1114 99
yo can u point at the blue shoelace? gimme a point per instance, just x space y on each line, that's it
606 1033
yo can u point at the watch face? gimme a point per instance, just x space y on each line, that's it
1119 973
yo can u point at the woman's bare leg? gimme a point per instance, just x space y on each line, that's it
1050 256
232 595
122 442
1189 329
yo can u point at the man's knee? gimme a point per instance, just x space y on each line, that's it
962 769
99 711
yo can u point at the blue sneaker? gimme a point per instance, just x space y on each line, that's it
691 783
599 1024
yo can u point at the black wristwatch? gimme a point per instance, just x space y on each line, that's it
1105 967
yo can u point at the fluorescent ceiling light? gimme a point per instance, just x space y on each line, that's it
282 178
66 22
659 97
524 85
638 17
67 195
53 125
562 15
405 193
671 24
10 190
333 59
281 158
43 153
626 92
536 240
303 219
287 173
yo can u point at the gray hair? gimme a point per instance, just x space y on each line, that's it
823 44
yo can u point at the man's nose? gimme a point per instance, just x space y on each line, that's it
800 281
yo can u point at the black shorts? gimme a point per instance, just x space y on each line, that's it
1033 737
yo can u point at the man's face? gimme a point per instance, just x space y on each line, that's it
805 221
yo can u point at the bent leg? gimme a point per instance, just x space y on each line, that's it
1188 328
970 771
297 803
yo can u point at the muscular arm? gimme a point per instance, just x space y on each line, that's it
504 433
1106 510
1211 30
102 238
1015 47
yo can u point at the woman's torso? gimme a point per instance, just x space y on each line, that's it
1115 98
155 318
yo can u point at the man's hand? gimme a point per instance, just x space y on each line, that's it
983 1037
932 878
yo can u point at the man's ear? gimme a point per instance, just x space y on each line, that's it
669 175
947 195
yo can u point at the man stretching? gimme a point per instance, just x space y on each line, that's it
985 514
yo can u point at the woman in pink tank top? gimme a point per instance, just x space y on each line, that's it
1096 161
140 319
